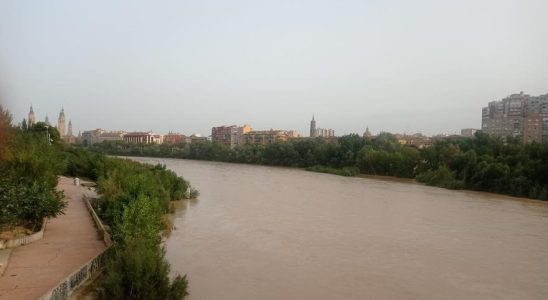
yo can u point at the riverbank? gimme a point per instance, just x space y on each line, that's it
69 241
159 160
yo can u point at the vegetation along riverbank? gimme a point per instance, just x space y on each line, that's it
134 197
481 163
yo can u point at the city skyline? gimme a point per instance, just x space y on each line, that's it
187 66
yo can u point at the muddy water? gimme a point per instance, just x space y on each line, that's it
275 233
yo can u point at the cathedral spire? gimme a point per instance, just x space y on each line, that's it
313 127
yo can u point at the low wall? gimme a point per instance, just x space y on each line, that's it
73 281
24 240
100 227
68 285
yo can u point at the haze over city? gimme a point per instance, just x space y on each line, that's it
398 66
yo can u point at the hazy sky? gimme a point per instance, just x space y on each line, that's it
399 66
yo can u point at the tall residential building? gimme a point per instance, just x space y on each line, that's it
32 118
47 120
230 135
313 127
61 123
468 132
518 115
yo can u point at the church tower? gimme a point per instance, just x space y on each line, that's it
69 130
32 119
367 133
61 123
313 127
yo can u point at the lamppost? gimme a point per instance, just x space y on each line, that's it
47 135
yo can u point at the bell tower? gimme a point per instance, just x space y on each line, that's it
69 130
61 123
32 118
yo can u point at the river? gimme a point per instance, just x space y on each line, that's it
278 233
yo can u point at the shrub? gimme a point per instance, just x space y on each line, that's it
135 270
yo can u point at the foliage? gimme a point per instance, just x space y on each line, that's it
136 270
5 121
135 196
29 167
141 219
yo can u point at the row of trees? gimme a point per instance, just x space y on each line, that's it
483 163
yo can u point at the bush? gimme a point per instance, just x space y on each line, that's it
28 204
442 177
135 270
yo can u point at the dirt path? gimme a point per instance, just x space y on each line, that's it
69 241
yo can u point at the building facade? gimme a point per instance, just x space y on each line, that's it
143 138
324 132
91 137
265 137
518 115
222 134
417 140
174 138
231 136
468 132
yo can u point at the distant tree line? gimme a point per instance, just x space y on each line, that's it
482 163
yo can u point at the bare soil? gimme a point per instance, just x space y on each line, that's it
16 232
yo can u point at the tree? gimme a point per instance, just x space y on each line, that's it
5 126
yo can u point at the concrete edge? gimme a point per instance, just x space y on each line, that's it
105 236
12 243
4 260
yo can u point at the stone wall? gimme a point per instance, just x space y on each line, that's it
23 240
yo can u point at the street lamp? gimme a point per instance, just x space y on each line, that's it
47 135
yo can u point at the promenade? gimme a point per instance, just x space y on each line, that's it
69 241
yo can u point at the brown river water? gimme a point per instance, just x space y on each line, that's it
277 233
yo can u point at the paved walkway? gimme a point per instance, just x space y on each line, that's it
69 241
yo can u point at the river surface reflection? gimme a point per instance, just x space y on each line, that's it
277 233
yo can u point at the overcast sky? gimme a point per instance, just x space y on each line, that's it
398 66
